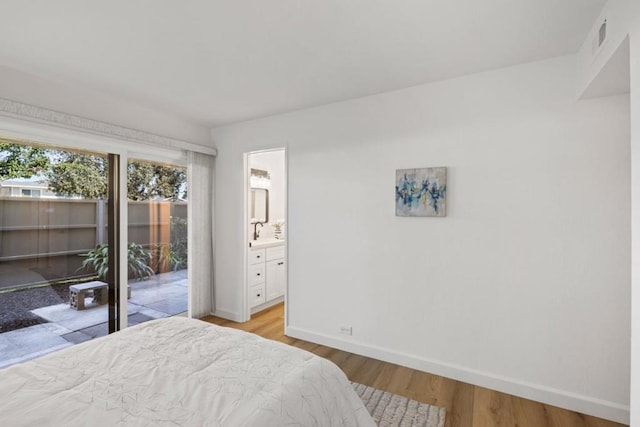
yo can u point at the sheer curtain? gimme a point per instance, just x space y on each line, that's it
200 223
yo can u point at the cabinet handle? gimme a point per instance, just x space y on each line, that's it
281 263
258 274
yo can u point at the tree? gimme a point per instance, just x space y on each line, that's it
21 161
85 175
76 174
170 182
139 178
146 180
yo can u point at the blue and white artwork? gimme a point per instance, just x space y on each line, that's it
421 192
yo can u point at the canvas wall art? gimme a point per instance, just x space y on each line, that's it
421 192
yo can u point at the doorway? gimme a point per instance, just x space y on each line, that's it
266 230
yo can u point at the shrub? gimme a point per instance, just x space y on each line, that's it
173 255
137 261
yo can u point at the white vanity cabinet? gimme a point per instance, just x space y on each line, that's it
275 272
266 275
256 277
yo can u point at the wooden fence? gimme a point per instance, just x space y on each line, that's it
41 240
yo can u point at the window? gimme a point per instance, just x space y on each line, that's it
31 193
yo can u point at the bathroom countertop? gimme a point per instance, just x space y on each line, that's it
265 243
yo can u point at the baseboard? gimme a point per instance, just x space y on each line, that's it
266 305
551 396
228 315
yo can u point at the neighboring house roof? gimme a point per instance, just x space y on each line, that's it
38 187
25 183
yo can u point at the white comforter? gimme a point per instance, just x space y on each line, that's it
179 372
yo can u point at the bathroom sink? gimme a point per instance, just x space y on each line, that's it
264 243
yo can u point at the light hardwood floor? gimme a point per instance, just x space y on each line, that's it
466 405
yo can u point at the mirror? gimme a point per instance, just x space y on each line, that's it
259 208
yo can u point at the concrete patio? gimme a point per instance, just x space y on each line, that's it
161 296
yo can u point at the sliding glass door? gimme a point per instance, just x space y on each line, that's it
157 246
57 229
87 238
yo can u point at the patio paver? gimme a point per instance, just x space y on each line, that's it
31 342
163 295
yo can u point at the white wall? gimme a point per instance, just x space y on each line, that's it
635 200
273 162
29 89
596 75
524 286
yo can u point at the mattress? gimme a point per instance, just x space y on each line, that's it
179 372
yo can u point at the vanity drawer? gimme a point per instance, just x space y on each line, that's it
276 252
256 256
256 295
256 274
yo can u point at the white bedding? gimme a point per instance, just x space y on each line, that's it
179 372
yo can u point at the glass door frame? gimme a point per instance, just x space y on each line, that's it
114 279
119 149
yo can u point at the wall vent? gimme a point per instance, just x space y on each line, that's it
602 33
599 38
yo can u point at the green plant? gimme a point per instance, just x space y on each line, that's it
169 257
172 255
97 260
137 261
177 253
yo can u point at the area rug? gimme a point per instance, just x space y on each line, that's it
391 410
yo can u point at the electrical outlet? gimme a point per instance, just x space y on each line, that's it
347 330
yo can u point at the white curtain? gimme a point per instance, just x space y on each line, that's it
200 223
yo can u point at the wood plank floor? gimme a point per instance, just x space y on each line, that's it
466 405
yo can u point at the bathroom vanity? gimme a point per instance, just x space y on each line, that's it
266 273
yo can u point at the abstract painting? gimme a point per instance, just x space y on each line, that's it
421 192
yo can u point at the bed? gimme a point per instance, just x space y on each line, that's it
179 372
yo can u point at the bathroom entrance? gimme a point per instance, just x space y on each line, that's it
266 230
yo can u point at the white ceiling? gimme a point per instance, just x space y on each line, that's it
215 62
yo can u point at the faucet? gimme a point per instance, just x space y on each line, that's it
256 232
